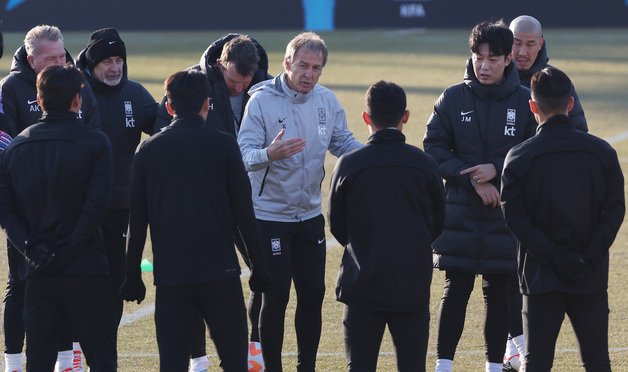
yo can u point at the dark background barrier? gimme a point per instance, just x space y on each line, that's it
21 15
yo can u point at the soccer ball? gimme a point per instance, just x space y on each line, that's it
256 361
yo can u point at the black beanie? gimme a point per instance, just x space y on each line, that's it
104 43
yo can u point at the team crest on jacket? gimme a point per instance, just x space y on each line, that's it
322 121
128 113
511 118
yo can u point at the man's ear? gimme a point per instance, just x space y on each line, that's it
366 118
169 109
405 117
508 59
205 107
571 103
533 107
30 60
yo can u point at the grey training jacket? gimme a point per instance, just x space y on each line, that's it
289 190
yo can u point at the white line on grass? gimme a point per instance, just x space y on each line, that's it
382 353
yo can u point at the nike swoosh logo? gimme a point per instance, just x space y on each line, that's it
321 241
112 42
462 113
31 102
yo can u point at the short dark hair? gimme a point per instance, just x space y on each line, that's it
57 86
385 104
551 90
186 91
241 52
497 35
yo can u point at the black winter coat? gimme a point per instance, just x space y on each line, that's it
190 186
19 97
476 124
562 192
386 207
55 182
576 115
220 115
126 110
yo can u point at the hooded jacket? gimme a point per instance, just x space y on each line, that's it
126 110
289 190
576 115
476 124
386 207
562 193
19 97
220 114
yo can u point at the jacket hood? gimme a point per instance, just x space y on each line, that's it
541 62
213 52
97 85
507 86
21 67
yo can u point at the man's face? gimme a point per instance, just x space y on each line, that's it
525 49
49 53
236 83
304 71
109 70
489 69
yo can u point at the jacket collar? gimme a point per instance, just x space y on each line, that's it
387 136
187 121
498 91
556 121
54 117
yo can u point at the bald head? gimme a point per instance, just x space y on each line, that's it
528 36
526 25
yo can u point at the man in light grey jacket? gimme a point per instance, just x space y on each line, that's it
289 124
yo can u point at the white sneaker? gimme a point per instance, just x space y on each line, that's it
511 364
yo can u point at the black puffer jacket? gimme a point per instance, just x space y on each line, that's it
19 97
476 124
126 110
562 193
576 115
220 115
387 186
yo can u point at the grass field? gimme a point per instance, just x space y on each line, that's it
424 63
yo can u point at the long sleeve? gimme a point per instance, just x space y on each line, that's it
518 220
342 139
138 220
242 205
613 211
96 199
252 138
336 208
438 142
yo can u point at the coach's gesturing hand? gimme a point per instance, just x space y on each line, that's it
281 149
